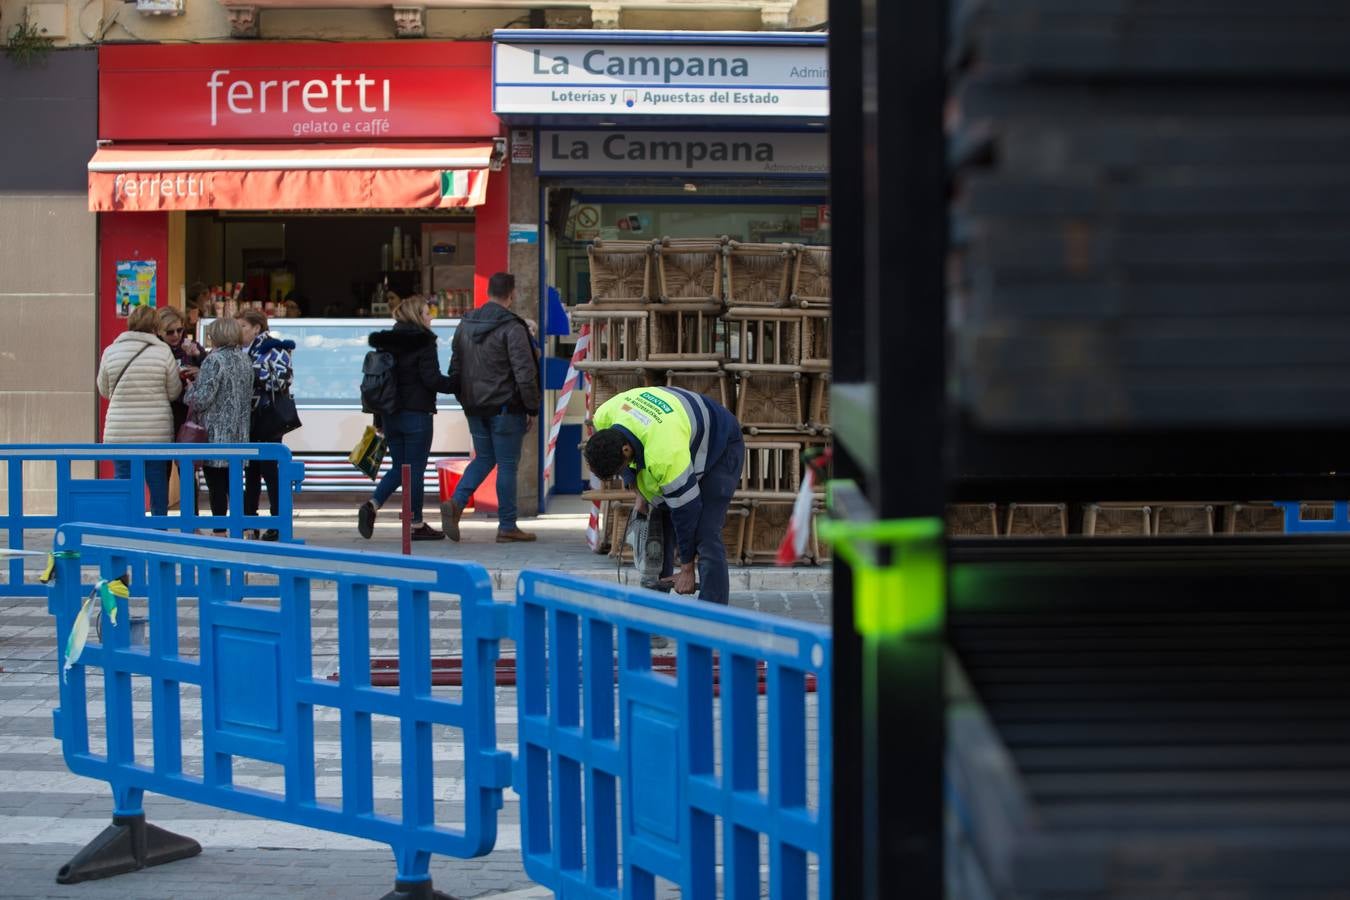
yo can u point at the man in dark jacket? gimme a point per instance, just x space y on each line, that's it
494 371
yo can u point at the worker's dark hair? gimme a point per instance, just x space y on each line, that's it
500 285
604 452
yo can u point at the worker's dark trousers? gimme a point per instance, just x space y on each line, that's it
716 486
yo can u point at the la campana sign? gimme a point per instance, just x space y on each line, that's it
656 79
630 151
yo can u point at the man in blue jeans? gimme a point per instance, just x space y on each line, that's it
494 371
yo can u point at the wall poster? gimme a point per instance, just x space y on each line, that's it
135 285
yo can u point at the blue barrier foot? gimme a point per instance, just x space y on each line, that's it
415 890
128 844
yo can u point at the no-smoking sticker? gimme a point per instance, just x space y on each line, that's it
587 216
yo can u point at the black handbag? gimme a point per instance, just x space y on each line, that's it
274 416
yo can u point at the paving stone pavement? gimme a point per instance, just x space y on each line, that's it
561 544
47 813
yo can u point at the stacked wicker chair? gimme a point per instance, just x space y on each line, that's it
747 325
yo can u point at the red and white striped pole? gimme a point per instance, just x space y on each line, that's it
574 375
583 348
593 523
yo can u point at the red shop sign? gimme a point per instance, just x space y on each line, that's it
376 91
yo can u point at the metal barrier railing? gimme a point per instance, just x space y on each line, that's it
630 764
121 501
607 741
259 693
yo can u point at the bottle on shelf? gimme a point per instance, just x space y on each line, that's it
397 245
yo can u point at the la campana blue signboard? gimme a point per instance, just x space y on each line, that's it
635 74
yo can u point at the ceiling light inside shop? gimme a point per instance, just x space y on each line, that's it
690 187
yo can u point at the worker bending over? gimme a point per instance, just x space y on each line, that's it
684 454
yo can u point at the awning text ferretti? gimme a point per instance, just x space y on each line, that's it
403 175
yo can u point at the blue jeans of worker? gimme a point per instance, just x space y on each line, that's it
496 442
156 479
409 437
718 483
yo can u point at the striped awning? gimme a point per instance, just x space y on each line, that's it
288 176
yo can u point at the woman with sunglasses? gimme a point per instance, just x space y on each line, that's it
173 330
186 352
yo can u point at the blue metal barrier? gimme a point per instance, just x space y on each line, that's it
591 746
259 693
1294 523
121 501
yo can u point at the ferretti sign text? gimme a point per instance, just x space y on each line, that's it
265 91
666 79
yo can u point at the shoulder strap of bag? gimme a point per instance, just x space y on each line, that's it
121 374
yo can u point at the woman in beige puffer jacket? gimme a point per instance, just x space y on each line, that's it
140 378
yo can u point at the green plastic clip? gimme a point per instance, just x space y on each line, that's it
904 596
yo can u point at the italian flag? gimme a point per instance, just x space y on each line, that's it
799 526
456 182
463 188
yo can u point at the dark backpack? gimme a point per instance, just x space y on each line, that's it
379 383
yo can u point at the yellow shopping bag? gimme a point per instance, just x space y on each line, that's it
368 454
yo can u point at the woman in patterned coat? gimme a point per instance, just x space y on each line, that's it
222 398
271 359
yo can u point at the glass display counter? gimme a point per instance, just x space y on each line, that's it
327 390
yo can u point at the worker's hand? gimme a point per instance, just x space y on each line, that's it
529 424
640 505
684 579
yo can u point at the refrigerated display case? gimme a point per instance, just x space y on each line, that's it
327 390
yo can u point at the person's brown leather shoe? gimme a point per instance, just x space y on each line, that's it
451 522
509 537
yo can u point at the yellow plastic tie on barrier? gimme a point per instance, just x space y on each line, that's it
49 571
904 596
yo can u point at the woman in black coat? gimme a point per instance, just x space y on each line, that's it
408 429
